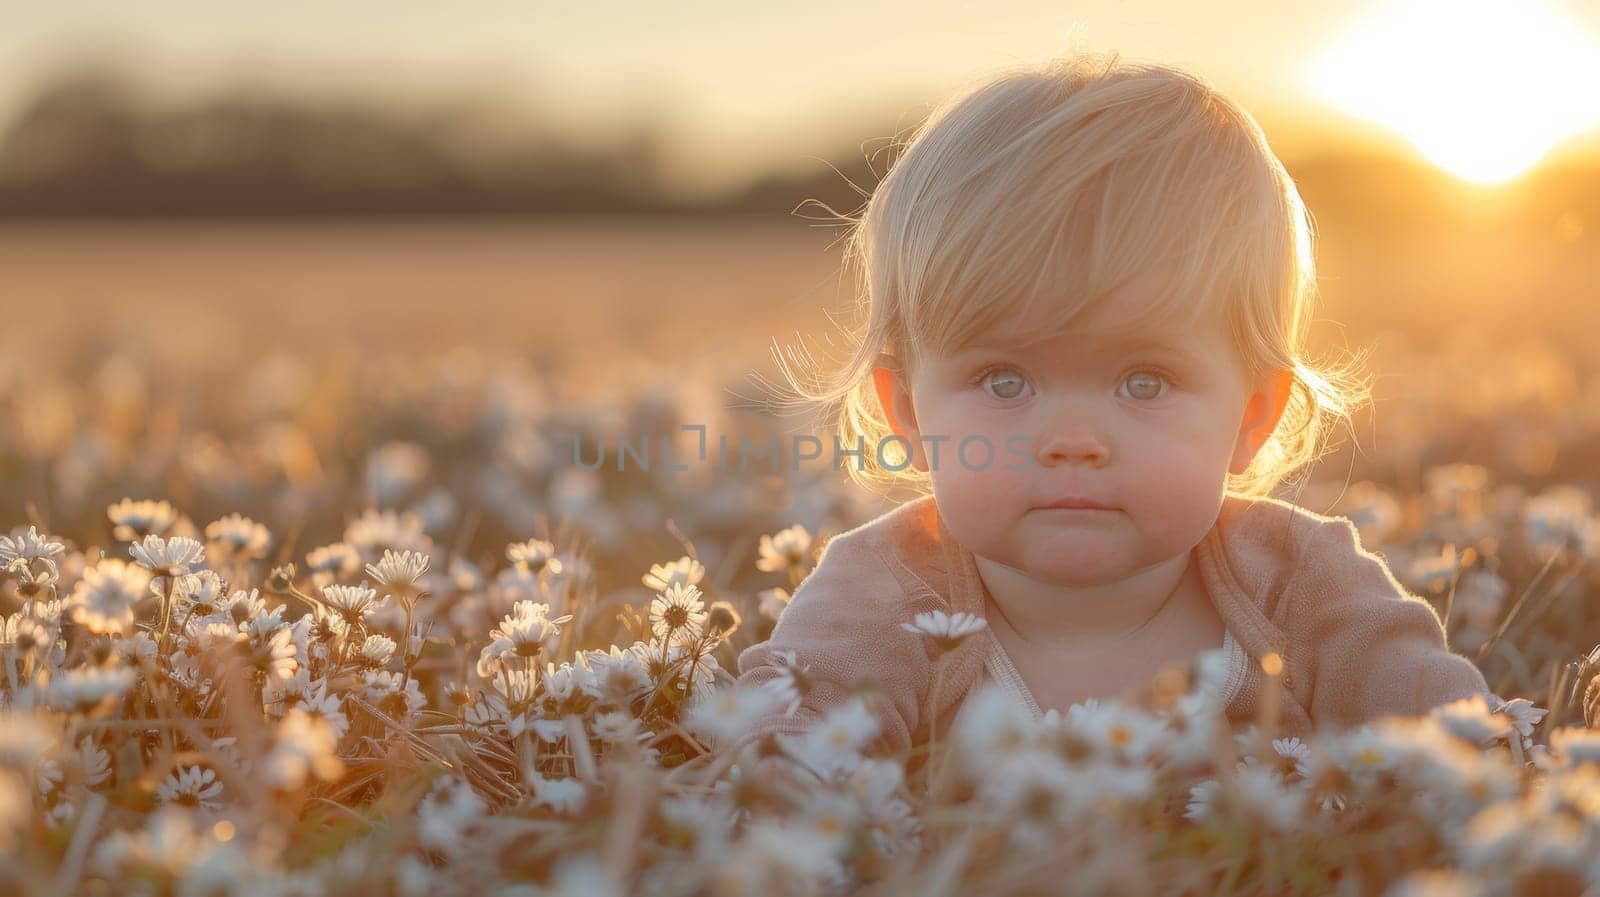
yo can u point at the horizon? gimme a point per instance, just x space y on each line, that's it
719 133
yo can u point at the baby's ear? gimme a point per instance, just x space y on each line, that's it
894 395
1261 415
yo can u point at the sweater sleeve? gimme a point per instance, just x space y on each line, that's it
844 624
1377 649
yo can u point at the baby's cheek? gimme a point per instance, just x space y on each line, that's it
1176 499
980 501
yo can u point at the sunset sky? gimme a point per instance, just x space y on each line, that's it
744 87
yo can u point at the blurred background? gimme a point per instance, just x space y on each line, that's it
297 262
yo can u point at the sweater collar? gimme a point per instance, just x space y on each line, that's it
1242 561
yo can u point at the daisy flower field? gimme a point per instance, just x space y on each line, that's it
373 629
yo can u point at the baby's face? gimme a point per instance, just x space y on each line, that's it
1148 430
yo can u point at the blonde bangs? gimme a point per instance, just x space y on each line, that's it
1025 200
1102 187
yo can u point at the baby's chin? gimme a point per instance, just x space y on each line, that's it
1078 560
1078 566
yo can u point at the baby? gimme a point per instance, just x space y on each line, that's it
1086 293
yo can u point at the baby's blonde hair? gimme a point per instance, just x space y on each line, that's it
1045 187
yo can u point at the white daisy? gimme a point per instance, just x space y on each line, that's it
519 688
1523 713
303 748
535 556
238 538
450 809
464 575
527 633
772 602
1295 752
702 822
784 551
31 638
1374 510
94 761
836 740
214 635
1555 517
49 776
1115 730
187 673
724 714
375 530
133 520
616 727
399 569
394 469
105 598
169 845
200 594
315 700
1480 599
1363 753
945 631
394 693
1576 744
1471 720
560 795
530 621
685 571
1431 572
678 613
1193 723
1264 793
84 689
790 683
1211 672
140 648
830 816
278 652
331 563
1495 836
1447 483
559 681
351 602
191 786
1202 804
1098 783
703 667
179 554
21 548
619 675
992 728
586 875
798 852
376 651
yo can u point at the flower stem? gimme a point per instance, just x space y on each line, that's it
166 610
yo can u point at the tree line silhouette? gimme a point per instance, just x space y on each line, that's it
86 145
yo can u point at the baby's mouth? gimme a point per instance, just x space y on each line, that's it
1074 503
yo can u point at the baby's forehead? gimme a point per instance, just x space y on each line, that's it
1193 334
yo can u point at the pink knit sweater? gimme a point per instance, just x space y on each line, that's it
1355 644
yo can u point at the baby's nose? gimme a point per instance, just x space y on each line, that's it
1073 445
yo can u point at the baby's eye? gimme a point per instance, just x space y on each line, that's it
1145 385
1005 383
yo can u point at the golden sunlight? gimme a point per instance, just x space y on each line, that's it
1483 89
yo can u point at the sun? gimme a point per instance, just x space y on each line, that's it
1482 89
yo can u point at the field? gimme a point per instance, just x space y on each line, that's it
391 409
